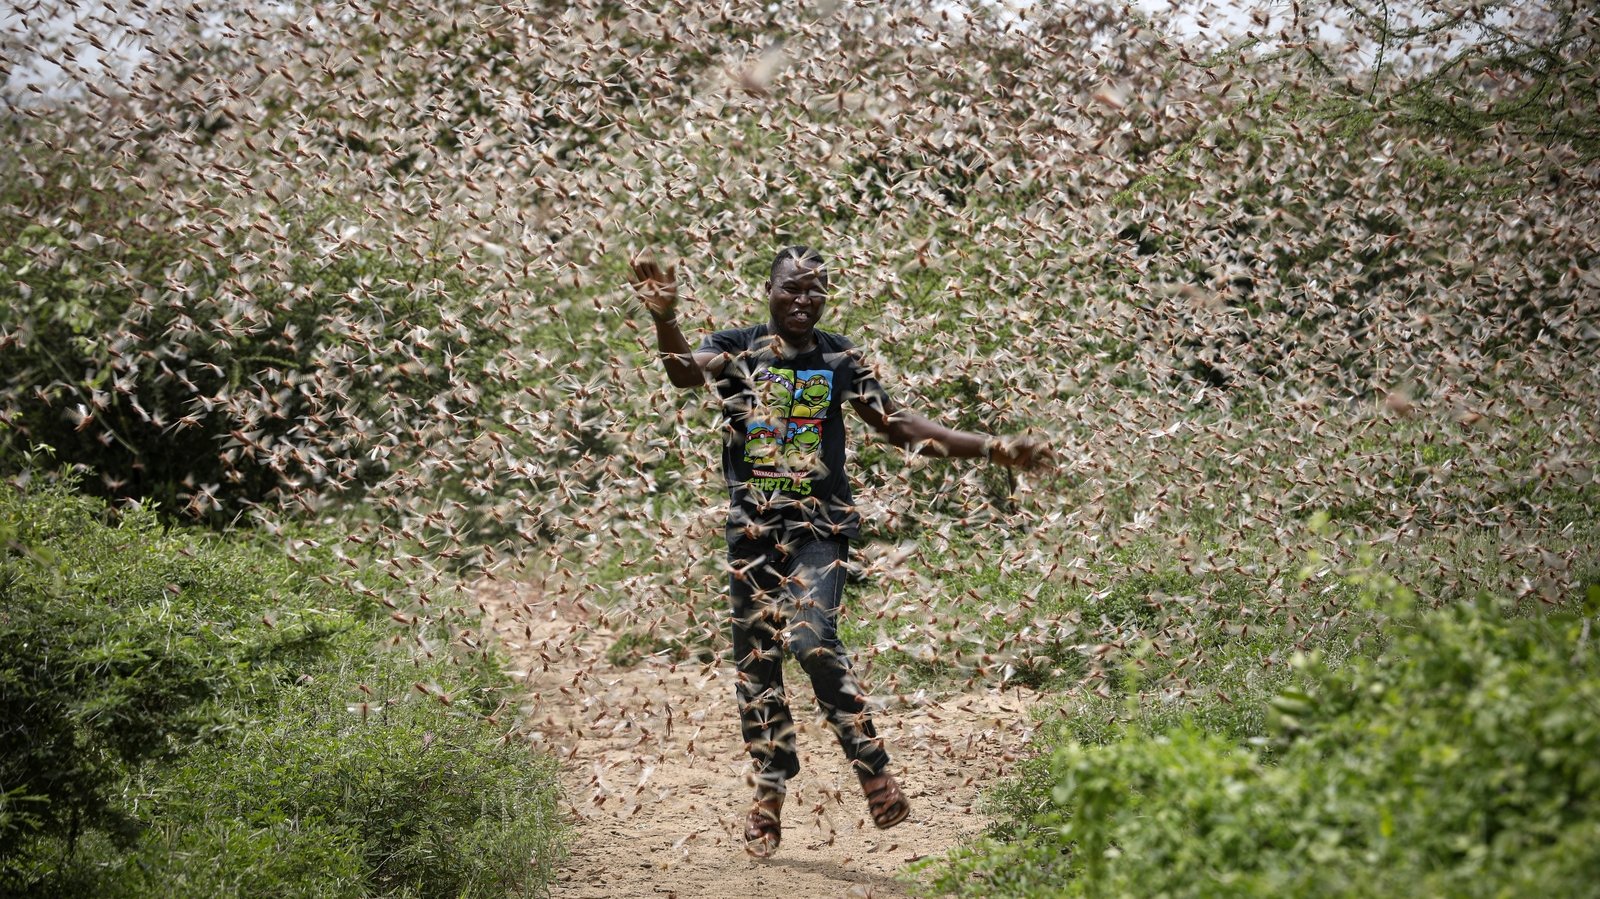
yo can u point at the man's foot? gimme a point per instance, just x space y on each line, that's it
762 830
884 799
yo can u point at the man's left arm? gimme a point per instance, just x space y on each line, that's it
905 428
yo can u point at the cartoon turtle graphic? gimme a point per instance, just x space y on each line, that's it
811 397
761 444
803 443
774 389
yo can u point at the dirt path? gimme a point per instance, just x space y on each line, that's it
655 772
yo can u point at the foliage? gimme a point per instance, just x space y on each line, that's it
318 801
113 658
183 716
1524 70
241 393
1457 761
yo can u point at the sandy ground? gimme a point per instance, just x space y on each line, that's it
656 775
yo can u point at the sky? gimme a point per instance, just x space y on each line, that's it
37 36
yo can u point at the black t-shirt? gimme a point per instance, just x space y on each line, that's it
784 435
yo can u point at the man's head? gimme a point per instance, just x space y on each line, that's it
797 291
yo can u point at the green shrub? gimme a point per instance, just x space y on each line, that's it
236 394
196 716
111 659
411 801
1458 761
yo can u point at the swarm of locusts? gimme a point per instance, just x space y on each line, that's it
1316 285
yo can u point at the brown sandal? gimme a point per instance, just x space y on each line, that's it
887 804
762 829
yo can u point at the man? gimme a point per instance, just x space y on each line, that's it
783 385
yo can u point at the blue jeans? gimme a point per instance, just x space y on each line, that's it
790 600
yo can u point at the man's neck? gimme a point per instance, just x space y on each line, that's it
788 348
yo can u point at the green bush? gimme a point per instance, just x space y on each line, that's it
412 801
112 657
191 715
239 392
1458 761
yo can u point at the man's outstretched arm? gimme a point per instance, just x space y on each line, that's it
905 428
658 291
685 367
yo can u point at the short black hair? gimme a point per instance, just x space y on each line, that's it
800 254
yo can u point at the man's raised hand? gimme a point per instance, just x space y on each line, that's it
657 290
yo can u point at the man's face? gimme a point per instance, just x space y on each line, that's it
795 297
